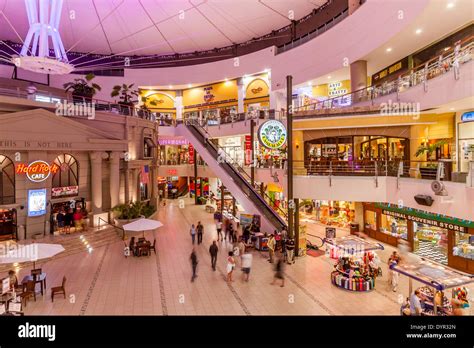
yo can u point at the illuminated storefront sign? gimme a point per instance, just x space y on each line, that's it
65 191
36 202
272 134
172 141
37 171
467 116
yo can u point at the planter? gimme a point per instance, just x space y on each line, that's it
78 98
121 222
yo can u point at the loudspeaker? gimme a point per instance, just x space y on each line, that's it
424 200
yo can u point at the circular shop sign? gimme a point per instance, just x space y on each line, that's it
38 171
272 134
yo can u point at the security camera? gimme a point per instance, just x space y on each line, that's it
438 188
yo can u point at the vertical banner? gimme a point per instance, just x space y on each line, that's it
191 154
248 150
145 175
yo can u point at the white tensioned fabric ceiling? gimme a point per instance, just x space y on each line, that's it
146 27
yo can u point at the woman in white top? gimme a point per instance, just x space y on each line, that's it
230 266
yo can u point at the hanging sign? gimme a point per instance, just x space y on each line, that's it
467 116
272 134
64 191
191 154
36 202
248 150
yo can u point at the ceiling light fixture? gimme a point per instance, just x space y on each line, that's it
170 86
418 31
450 5
389 49
189 85
329 77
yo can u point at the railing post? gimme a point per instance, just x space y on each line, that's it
376 174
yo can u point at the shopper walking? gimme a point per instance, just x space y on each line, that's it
246 265
230 232
213 250
200 231
194 263
241 246
271 248
394 259
193 233
219 230
230 266
279 272
290 250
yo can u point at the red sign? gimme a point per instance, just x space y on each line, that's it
248 150
65 191
37 171
172 172
191 154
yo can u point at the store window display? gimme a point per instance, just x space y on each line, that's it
431 242
393 226
370 220
463 245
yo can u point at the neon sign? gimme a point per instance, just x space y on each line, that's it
37 171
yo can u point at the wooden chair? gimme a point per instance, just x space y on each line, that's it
57 290
152 247
29 292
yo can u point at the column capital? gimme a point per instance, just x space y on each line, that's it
98 155
115 156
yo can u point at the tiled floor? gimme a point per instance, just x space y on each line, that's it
105 282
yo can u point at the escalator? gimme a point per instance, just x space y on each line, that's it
233 176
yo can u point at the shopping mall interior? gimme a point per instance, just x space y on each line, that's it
326 147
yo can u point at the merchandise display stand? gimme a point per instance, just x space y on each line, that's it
437 279
352 271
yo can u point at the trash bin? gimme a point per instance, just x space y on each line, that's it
354 228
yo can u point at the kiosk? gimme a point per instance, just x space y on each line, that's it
354 270
436 279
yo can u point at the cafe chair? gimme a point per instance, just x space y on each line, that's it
36 271
28 293
152 247
58 290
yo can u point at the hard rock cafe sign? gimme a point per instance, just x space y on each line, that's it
37 171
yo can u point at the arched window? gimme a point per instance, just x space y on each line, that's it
7 180
68 173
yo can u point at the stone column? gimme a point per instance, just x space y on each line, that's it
178 104
114 179
240 95
126 181
96 180
358 75
134 184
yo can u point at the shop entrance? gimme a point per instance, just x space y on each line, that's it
8 224
65 206
431 242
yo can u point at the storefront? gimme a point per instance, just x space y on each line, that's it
8 224
161 102
330 213
357 148
234 148
443 239
211 103
200 187
465 131
257 95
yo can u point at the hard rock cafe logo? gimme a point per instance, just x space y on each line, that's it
37 171
208 96
256 90
272 134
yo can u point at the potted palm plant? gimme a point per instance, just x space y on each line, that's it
429 171
144 110
82 89
128 212
126 94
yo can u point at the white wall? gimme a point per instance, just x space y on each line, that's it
459 203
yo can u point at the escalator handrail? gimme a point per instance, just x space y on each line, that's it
228 159
238 173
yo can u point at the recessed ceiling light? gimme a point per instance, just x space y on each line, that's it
310 83
389 49
226 79
418 31
189 85
170 86
329 77
450 5
452 109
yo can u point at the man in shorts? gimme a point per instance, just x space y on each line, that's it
246 265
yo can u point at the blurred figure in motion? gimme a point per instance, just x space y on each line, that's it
194 263
279 272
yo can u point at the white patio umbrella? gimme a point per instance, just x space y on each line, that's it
142 225
31 252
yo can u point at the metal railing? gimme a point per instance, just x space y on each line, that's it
436 66
403 168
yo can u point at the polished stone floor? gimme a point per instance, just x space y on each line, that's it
105 282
